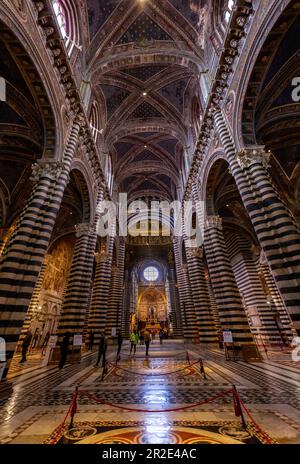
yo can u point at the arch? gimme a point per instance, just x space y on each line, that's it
267 21
36 74
82 181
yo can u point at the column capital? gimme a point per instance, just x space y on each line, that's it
213 222
84 229
253 154
101 257
46 168
194 252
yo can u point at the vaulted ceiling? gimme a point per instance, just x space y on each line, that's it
144 60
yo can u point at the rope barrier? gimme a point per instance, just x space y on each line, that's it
238 403
260 430
71 408
181 408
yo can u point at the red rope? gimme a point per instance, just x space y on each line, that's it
152 373
264 434
182 408
71 408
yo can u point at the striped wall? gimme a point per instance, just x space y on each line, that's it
188 314
126 307
200 295
231 312
24 254
275 228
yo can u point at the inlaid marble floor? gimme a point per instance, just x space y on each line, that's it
34 401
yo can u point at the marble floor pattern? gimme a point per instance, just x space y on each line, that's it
34 399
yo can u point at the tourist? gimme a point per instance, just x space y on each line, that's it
134 338
102 349
120 342
91 340
64 347
147 338
220 337
161 336
141 337
25 346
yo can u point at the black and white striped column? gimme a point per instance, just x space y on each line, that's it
24 254
77 295
188 314
276 230
35 299
207 329
99 306
115 299
176 317
231 311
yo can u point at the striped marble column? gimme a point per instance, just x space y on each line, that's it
231 311
77 295
277 232
247 278
115 300
24 254
273 295
99 306
207 329
34 302
213 303
188 314
175 313
126 306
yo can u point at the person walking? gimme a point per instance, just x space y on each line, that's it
120 342
134 338
64 348
91 340
161 336
25 346
147 338
102 349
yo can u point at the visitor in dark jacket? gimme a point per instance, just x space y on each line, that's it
25 346
64 348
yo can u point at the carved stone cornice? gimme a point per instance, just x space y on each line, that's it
236 32
215 222
253 155
49 169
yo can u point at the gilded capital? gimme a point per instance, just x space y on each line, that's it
84 229
253 155
49 169
213 222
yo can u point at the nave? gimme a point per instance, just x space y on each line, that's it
35 399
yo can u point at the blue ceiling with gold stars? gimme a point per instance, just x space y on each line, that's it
144 73
114 97
143 28
145 111
98 12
